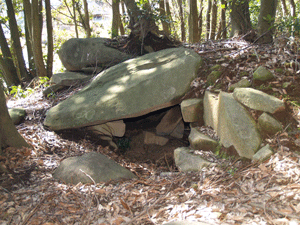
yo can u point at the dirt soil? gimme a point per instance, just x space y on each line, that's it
235 191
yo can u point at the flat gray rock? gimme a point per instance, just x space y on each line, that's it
89 168
130 89
258 100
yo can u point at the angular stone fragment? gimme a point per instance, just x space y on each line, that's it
262 154
17 115
151 138
242 83
169 122
178 131
192 110
236 126
186 161
268 124
69 78
258 100
199 141
262 74
211 109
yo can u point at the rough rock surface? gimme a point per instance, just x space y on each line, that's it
17 115
236 126
199 141
258 100
262 74
186 161
169 122
192 110
91 165
130 89
262 154
69 78
268 124
78 53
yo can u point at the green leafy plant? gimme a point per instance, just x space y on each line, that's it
19 92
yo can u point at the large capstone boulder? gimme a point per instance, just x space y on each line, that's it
130 89
89 168
78 53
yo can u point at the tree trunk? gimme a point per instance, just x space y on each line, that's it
240 17
162 13
9 136
285 11
49 38
15 37
86 19
115 18
212 34
169 17
74 18
266 20
208 19
193 22
141 23
37 40
8 68
182 27
200 20
223 19
293 8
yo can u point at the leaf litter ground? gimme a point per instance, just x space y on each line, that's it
233 192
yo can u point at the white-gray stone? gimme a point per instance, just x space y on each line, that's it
78 53
258 100
262 154
89 168
113 128
236 126
192 110
186 161
268 124
199 141
211 109
17 115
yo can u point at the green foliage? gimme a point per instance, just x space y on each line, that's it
19 92
288 25
124 144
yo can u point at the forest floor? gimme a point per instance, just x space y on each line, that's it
235 191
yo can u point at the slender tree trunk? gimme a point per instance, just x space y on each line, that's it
14 32
37 40
115 18
240 17
181 16
293 8
49 38
267 10
212 34
9 136
162 13
200 20
74 18
86 19
7 64
193 22
223 19
285 11
169 17
208 19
